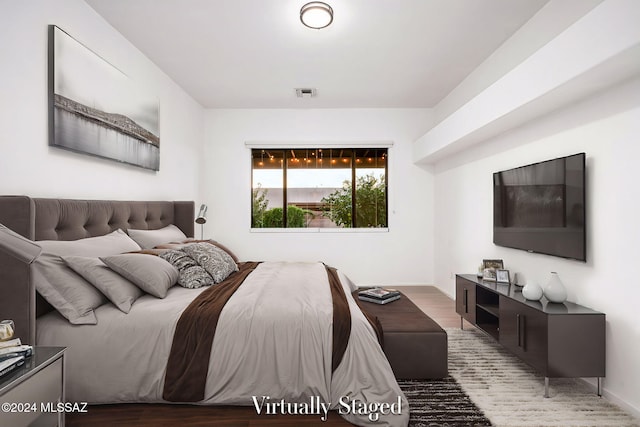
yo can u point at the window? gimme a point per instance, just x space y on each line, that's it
320 188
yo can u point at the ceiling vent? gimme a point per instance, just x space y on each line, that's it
306 92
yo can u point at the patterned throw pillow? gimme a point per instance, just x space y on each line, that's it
192 275
215 261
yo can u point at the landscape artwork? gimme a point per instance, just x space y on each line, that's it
96 109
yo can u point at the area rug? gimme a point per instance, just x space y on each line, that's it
441 403
510 393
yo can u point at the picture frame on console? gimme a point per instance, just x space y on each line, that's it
490 268
502 276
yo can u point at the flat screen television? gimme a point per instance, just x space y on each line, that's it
541 207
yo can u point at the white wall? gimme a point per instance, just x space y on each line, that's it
403 255
606 128
29 166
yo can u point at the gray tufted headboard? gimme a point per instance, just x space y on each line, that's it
67 219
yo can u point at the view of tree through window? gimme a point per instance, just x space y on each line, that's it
320 188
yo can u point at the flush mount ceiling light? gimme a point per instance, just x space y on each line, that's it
316 15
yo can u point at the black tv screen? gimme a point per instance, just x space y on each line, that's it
541 207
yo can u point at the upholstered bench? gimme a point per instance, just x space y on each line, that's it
415 345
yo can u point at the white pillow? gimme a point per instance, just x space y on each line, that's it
67 291
149 239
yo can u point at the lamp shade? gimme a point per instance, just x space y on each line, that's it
316 15
202 215
18 246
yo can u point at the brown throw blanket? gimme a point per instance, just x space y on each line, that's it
188 362
341 318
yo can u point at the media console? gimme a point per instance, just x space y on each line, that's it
558 340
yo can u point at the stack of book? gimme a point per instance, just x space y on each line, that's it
379 295
12 355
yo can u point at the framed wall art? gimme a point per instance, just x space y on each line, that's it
96 109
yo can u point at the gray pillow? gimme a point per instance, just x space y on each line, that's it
217 262
65 290
121 292
150 273
148 239
192 275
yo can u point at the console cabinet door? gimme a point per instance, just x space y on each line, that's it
466 299
523 330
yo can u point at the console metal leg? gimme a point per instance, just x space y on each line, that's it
599 387
461 323
546 386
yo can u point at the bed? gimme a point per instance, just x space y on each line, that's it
273 347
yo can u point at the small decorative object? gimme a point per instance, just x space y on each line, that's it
514 280
489 274
480 270
502 276
554 291
532 291
379 295
489 268
6 330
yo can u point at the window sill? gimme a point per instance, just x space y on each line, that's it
321 230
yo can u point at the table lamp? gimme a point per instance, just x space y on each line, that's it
202 219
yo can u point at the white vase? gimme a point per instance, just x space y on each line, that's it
554 291
532 291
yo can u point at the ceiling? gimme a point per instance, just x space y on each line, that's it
376 53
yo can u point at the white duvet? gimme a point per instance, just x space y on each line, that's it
272 350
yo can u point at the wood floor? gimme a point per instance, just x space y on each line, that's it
431 300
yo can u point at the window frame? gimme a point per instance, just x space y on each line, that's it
354 147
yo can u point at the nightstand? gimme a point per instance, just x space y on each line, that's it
29 395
